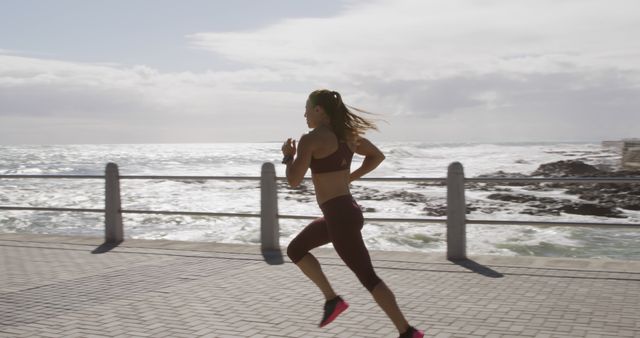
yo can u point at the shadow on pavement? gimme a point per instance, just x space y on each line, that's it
477 268
105 247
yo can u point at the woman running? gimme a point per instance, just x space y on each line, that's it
328 150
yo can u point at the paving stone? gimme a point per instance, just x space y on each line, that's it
53 286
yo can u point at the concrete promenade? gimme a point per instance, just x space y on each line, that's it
53 286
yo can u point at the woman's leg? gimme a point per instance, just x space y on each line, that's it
387 301
344 227
314 235
311 268
354 253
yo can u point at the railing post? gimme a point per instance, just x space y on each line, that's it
113 232
269 227
456 213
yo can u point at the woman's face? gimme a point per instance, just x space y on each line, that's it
315 115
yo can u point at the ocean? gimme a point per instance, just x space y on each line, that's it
378 199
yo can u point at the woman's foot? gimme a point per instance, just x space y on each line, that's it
412 332
332 308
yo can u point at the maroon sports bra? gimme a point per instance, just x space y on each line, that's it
339 160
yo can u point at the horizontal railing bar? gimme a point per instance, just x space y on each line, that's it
407 220
55 176
394 220
404 179
388 179
50 209
190 213
230 178
371 179
500 179
583 224
556 179
403 220
297 217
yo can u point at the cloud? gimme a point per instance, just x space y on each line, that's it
142 103
412 39
566 63
567 94
46 87
475 69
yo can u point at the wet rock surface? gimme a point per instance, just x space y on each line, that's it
571 168
553 206
303 193
600 199
371 194
594 199
517 198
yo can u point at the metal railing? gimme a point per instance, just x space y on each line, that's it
456 207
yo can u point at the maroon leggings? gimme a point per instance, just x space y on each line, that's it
341 226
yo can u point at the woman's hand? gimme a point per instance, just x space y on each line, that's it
289 147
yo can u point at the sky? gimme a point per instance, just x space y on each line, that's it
196 71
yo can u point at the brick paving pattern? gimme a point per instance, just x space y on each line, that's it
52 286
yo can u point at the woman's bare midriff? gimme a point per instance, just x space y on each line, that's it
331 185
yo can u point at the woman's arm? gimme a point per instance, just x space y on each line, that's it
297 168
373 158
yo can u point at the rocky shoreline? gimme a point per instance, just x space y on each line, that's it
593 199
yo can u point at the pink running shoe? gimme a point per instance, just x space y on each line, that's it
412 332
332 309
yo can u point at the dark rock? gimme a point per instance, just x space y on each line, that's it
517 198
551 206
503 174
440 209
489 209
407 197
549 200
470 207
625 196
605 199
591 209
435 210
368 194
301 199
633 204
538 187
490 187
570 168
302 189
431 184
540 212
